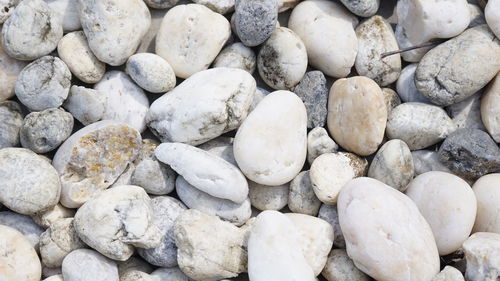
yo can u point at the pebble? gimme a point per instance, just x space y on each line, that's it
205 171
85 264
23 224
151 72
115 220
166 210
236 213
406 88
301 198
114 29
221 147
218 6
74 50
46 218
405 250
29 183
45 130
490 108
255 20
130 106
448 204
482 252
264 197
86 105
11 120
190 37
488 203
93 158
470 153
57 277
282 59
391 99
313 92
319 142
49 272
329 213
426 160
492 16
237 55
467 113
393 165
170 274
58 241
32 30
331 171
357 114
68 12
209 248
446 76
449 274
276 259
339 267
161 4
476 15
277 124
419 125
43 83
203 107
420 21
324 26
9 70
375 37
133 264
362 8
6 9
135 275
260 94
18 259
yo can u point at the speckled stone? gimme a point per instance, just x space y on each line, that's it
11 120
265 197
339 267
255 20
329 213
151 72
362 8
391 99
237 55
314 93
302 198
23 224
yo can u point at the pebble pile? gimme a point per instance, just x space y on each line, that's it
249 140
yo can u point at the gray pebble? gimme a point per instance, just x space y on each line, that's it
391 99
11 119
236 55
43 83
470 153
265 197
467 113
160 4
23 224
329 213
170 274
362 8
151 72
339 267
314 93
7 8
405 86
319 142
222 147
476 15
255 20
44 131
86 105
134 264
85 264
426 160
302 198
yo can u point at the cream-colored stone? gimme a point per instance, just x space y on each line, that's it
492 15
9 69
490 108
449 274
487 191
48 217
482 252
58 241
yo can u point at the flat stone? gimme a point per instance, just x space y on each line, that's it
426 160
340 267
86 105
151 72
301 198
329 213
264 197
319 142
58 241
18 259
449 274
490 108
9 70
482 252
23 224
362 8
84 263
237 55
313 92
492 16
255 20
405 86
46 218
69 13
467 113
488 203
11 120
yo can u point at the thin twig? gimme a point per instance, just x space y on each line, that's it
424 45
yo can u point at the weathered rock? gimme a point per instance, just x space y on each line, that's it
362 8
449 274
46 218
236 55
490 108
68 12
255 20
488 203
357 114
313 92
406 88
11 120
391 99
85 264
86 105
161 4
329 213
492 16
6 9
476 15
9 70
264 197
467 113
339 267
319 142
221 147
151 72
482 252
171 274
426 160
219 6
133 264
58 241
23 224
301 198
136 275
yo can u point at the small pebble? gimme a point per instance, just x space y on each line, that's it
391 99
9 70
23 224
476 15
319 142
488 203
151 72
339 267
221 147
85 264
313 92
406 88
58 241
301 198
11 120
449 274
255 20
490 108
237 55
86 105
264 197
362 8
329 213
482 252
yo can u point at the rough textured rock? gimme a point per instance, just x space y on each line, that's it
449 274
339 267
467 113
264 197
219 6
86 105
302 198
492 16
151 72
362 8
488 203
161 4
58 241
237 55
329 213
490 108
68 12
313 92
426 160
391 99
255 20
406 88
23 224
6 9
85 264
9 70
319 142
11 120
482 252
46 218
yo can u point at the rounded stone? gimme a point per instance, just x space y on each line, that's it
362 8
357 114
339 267
58 241
314 93
86 105
11 120
23 224
151 72
68 11
29 183
490 108
427 160
85 264
492 16
467 113
406 88
161 4
219 6
255 20
487 192
9 70
263 197
301 198
319 142
171 274
449 273
391 99
237 55
43 83
329 213
277 124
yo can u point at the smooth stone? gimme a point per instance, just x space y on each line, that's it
391 99
276 125
46 218
490 108
275 251
221 147
161 4
482 252
130 106
74 50
205 171
7 8
426 160
301 198
448 204
375 37
488 203
313 92
236 213
48 272
45 130
203 107
329 213
18 259
405 86
32 30
324 26
419 125
264 197
476 15
255 20
11 120
43 83
260 94
209 248
114 28
362 8
190 37
470 153
133 264
85 104
69 13
445 75
170 274
9 70
449 274
136 275
357 114
492 16
237 55
331 171
393 165
420 21
218 6
93 158
115 220
405 250
23 224
166 210
29 183
319 142
339 267
58 241
85 264
282 59
467 113
57 277
151 72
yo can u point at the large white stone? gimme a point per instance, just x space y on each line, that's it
270 146
482 252
487 191
490 108
492 15
18 259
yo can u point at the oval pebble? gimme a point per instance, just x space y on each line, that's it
237 55
84 263
488 203
490 108
301 198
68 11
329 213
11 120
151 72
255 20
340 267
319 142
86 105
265 197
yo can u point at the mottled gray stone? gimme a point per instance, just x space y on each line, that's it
160 4
426 160
85 264
237 55
329 213
302 198
11 119
7 8
467 113
255 20
391 99
362 8
264 197
339 267
314 93
23 224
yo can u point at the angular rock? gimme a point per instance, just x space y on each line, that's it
313 92
490 109
319 142
151 72
329 213
237 55
340 267
488 203
23 224
301 198
58 241
85 264
482 252
255 20
11 120
264 197
46 218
